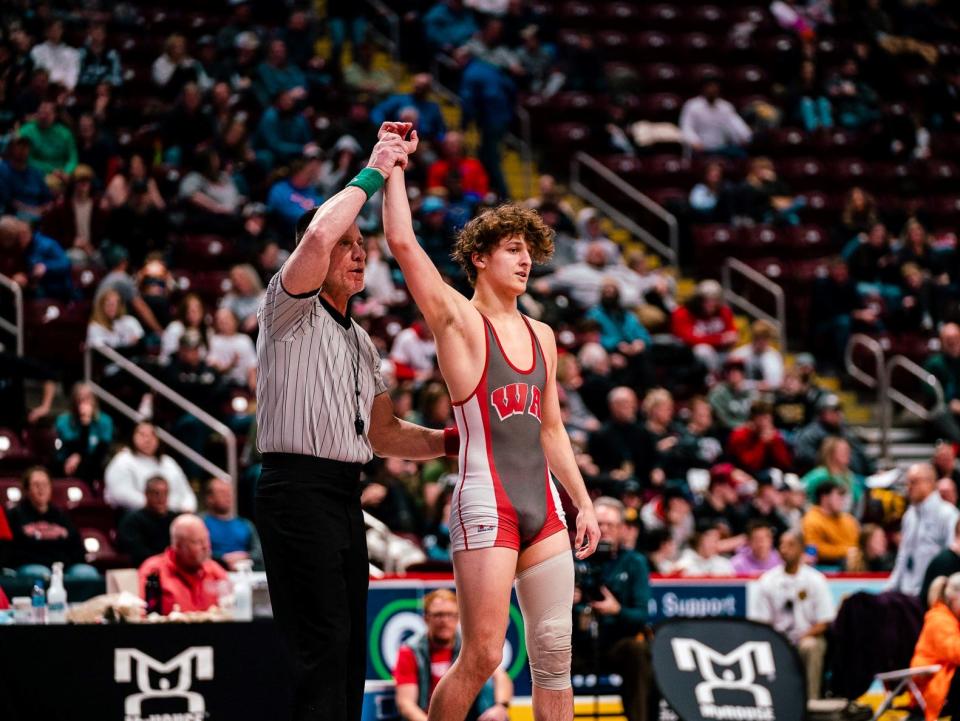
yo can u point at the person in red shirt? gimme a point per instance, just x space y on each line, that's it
757 445
438 647
188 575
473 178
705 324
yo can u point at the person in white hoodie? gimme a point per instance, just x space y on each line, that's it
126 476
703 557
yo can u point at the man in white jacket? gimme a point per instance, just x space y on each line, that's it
126 476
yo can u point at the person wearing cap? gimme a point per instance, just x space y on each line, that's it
705 323
757 446
730 399
928 526
945 367
763 364
829 528
829 422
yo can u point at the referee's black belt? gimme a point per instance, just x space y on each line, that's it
296 467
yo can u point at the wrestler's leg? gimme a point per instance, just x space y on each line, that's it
484 578
545 592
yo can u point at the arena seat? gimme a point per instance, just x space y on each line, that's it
72 492
807 241
14 455
94 514
651 45
100 552
11 491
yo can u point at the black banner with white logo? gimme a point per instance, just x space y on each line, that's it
134 672
714 669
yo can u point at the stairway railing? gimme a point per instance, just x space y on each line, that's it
14 327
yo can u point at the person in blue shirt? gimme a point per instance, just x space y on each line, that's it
622 334
488 98
232 538
283 134
23 189
291 197
47 267
277 73
430 123
448 25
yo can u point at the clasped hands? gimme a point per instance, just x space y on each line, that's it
392 147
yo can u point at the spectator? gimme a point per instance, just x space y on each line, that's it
188 576
619 605
872 554
98 63
119 280
829 422
538 63
623 336
46 267
947 489
837 308
939 646
344 16
84 435
191 315
590 232
757 555
763 198
174 69
61 61
126 476
43 534
52 147
231 352
828 527
871 262
414 353
132 173
345 161
661 551
76 220
703 558
705 323
488 96
430 123
365 80
283 133
473 177
945 367
23 188
277 74
94 148
765 507
720 508
859 216
945 563
795 402
763 364
805 101
186 129
26 104
710 199
111 326
835 459
757 446
916 246
916 309
795 599
856 103
232 538
424 658
711 125
448 25
945 461
244 298
697 445
290 197
928 526
623 447
729 399
670 511
146 531
213 199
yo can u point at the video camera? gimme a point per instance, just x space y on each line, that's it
589 572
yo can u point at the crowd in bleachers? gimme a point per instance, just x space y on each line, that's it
156 158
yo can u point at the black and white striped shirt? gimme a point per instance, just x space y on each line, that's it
306 353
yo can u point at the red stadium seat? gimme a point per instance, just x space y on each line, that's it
660 76
652 45
621 14
759 241
713 243
614 43
661 107
707 18
576 12
848 172
808 241
697 46
72 492
801 173
15 456
11 491
204 252
747 79
100 552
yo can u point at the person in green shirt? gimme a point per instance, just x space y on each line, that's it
52 147
835 467
613 590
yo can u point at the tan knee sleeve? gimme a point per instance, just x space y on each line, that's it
545 592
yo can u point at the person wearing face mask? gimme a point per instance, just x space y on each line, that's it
622 335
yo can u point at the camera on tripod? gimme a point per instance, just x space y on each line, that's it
589 572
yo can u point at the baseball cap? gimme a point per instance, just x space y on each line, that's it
829 402
805 360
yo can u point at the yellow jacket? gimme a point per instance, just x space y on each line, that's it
833 536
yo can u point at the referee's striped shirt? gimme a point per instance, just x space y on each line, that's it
306 353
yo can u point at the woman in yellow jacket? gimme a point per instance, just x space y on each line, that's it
939 643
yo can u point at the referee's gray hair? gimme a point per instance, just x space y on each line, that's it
613 504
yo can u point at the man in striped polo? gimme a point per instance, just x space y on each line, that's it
322 411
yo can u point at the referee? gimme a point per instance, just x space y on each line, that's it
322 411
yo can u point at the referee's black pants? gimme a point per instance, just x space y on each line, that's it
315 550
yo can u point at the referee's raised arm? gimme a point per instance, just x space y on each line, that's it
307 266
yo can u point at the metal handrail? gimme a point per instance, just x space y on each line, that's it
16 327
905 401
879 382
732 265
393 20
229 437
670 250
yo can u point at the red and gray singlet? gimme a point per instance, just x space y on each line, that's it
504 495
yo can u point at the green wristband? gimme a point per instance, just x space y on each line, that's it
368 180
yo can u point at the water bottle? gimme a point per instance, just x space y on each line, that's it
243 593
153 594
38 604
57 597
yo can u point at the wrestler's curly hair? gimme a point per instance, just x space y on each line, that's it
484 233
